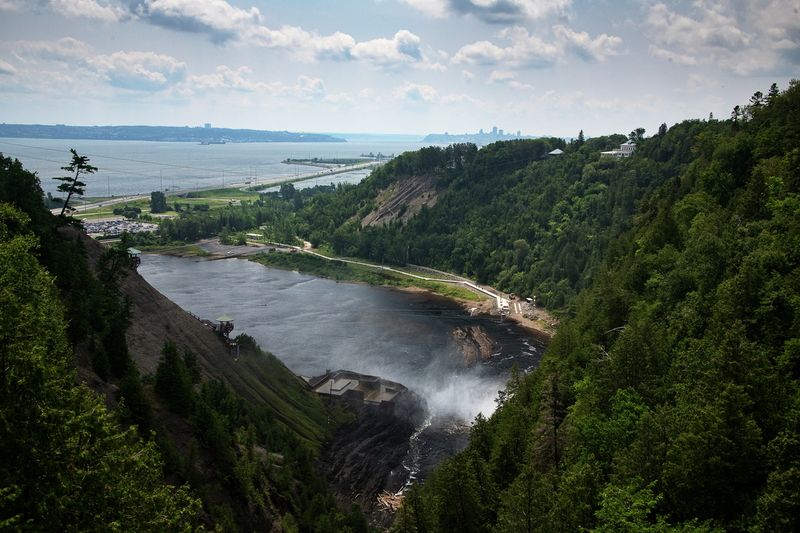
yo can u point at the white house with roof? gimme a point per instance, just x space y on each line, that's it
625 149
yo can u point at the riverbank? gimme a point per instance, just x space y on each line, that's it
349 272
538 322
284 257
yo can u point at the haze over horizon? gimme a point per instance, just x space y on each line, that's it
545 67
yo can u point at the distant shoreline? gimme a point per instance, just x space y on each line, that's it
199 135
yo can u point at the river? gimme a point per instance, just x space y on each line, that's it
139 167
314 324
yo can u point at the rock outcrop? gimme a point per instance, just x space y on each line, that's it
365 457
402 200
475 343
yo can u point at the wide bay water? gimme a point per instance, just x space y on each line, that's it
315 324
139 167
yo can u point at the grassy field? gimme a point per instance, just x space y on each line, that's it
177 250
341 271
228 193
214 198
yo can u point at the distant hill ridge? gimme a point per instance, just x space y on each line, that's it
158 133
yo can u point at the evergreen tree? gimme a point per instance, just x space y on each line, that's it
72 184
73 469
158 202
773 92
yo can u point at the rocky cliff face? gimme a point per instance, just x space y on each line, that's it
365 457
475 343
402 200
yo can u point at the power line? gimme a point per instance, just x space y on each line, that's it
129 160
104 169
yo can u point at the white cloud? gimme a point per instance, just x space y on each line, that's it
416 93
216 18
756 37
309 88
141 71
90 9
433 8
11 5
715 28
404 47
225 78
338 98
577 100
222 22
530 51
6 69
598 49
467 76
492 11
78 67
302 44
66 50
505 77
524 50
672 57
698 82
421 94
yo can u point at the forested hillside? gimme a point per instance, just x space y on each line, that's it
506 214
509 216
671 401
193 439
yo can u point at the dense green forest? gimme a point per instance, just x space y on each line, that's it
506 214
671 401
68 465
73 464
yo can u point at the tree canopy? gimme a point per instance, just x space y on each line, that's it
672 396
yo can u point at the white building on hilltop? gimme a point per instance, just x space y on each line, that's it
625 149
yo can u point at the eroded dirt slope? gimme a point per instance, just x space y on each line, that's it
402 200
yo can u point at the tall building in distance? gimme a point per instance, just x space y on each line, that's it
481 138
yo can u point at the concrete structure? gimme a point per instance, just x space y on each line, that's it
135 255
225 325
355 387
625 149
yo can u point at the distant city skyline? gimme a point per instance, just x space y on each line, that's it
543 67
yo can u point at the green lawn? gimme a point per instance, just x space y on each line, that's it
227 193
178 250
341 271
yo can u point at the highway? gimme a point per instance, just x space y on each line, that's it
105 202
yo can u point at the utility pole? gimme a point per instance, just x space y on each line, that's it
161 180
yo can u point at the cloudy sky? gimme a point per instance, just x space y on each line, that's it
546 67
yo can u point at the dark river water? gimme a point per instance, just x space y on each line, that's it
314 324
